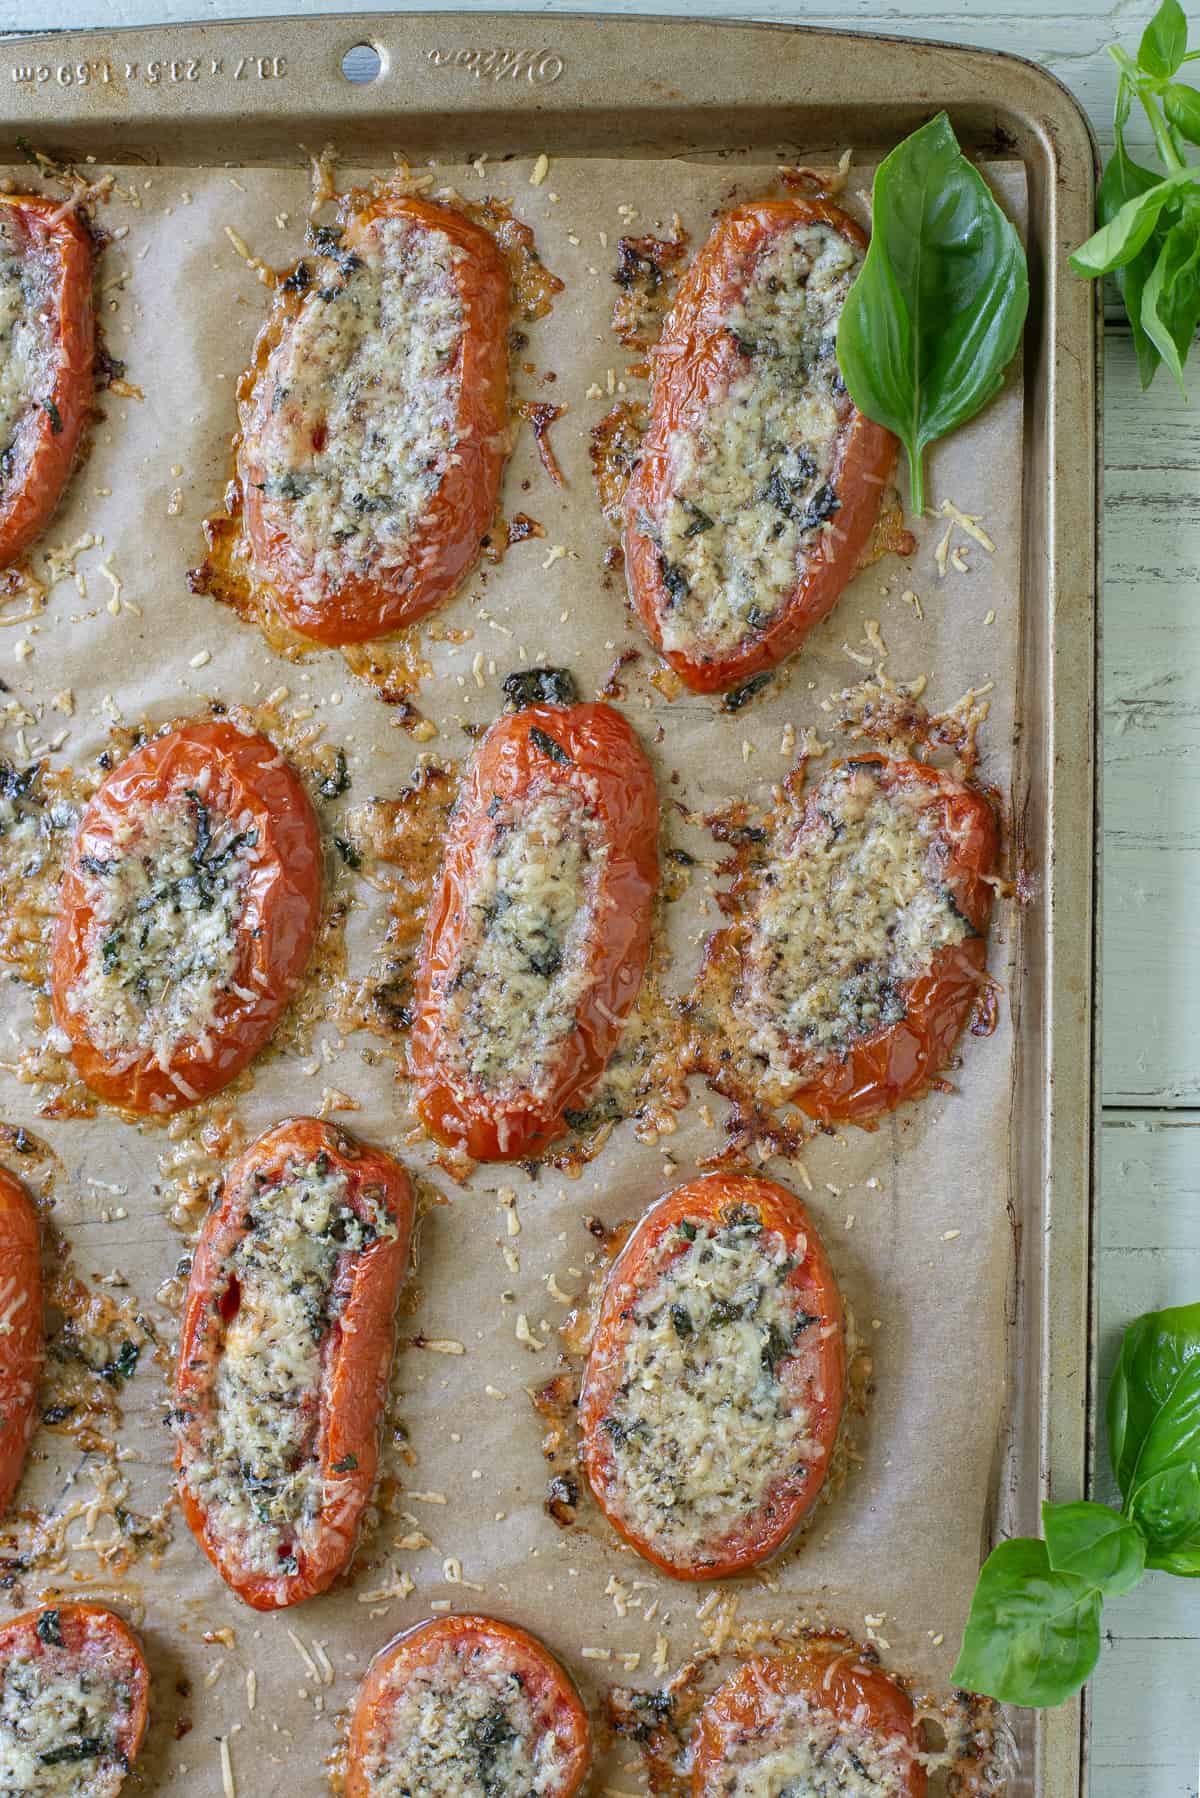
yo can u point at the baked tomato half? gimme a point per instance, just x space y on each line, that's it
47 355
864 946
467 1707
822 1718
716 1379
187 915
759 483
374 424
538 931
74 1697
21 1334
284 1356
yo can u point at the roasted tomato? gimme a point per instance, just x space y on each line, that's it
374 425
187 916
818 1718
539 928
467 1705
284 1357
74 1694
716 1380
864 950
20 1330
47 347
759 483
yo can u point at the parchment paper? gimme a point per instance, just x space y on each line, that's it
914 1215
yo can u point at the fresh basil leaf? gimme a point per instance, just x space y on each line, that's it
1154 1432
1181 103
1118 241
1131 282
1168 1509
1033 1635
1164 40
1124 179
1170 304
1184 1563
1095 1543
936 312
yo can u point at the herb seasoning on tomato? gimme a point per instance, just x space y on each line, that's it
715 1382
539 928
821 1718
47 351
467 1705
284 1357
758 483
374 424
74 1695
187 915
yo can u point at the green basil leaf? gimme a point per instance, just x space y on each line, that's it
1181 103
1170 305
1154 1430
1118 241
936 312
1164 40
1033 1635
1184 1563
1168 1512
1095 1543
1124 179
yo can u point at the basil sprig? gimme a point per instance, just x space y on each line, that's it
936 312
1033 1634
1154 1435
1149 219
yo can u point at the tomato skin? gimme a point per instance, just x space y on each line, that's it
834 1679
693 365
25 509
459 515
608 768
823 1359
355 1370
22 1342
247 773
882 1071
90 1633
538 1670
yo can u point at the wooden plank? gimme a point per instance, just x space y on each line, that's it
1151 962
1144 1694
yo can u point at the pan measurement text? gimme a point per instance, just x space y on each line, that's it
174 71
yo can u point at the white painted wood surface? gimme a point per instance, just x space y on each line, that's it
1146 1731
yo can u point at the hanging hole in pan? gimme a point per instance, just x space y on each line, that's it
362 63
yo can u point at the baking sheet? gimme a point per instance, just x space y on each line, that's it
916 1216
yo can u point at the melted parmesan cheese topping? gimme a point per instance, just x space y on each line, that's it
363 404
258 1470
531 917
705 1419
801 1751
464 1727
27 347
59 1723
752 489
167 905
845 921
29 821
